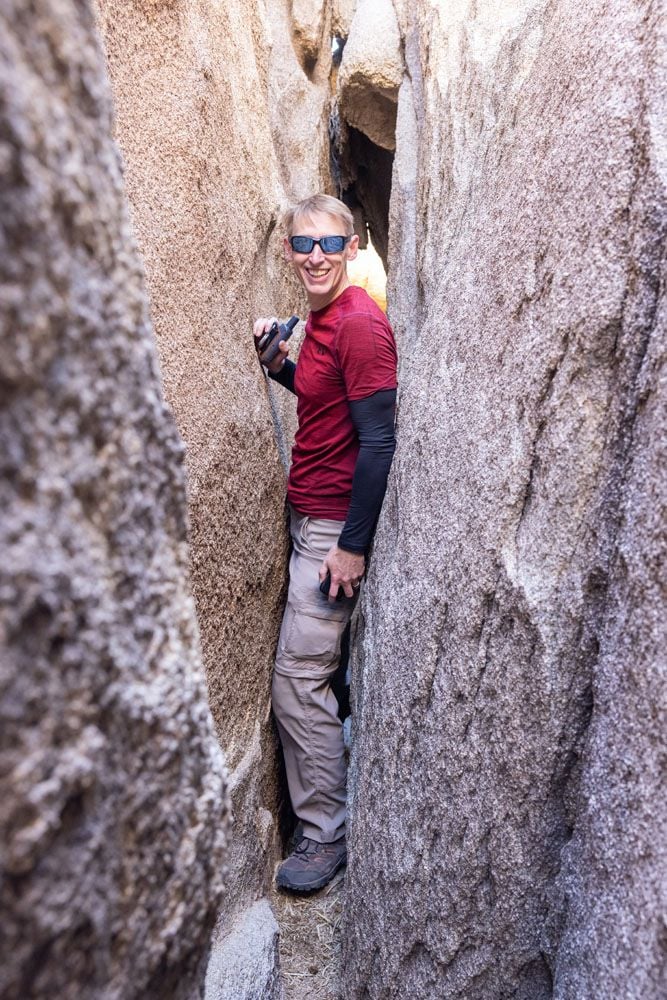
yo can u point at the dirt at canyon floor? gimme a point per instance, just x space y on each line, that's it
310 941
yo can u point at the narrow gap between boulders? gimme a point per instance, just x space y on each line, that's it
311 926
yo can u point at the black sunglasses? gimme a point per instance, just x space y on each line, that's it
327 244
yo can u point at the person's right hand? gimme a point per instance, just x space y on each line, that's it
260 326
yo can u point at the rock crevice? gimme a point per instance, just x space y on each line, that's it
507 795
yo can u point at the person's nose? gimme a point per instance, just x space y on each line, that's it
316 255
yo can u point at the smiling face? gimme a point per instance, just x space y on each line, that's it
323 275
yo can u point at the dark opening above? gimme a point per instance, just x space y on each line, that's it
365 172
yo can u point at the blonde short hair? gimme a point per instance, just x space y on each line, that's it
323 203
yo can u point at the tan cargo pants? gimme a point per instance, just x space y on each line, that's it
304 705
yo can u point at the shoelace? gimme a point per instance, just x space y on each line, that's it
304 848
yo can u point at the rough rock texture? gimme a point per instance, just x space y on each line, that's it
245 963
508 794
112 804
220 128
309 23
372 71
341 17
612 889
366 98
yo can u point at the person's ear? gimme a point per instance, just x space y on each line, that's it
353 247
287 249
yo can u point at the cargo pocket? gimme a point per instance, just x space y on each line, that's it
311 636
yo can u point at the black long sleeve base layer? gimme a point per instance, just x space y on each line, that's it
373 420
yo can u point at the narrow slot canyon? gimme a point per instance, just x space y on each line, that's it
503 682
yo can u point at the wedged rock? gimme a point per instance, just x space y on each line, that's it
244 963
113 808
308 22
342 14
367 88
371 72
507 787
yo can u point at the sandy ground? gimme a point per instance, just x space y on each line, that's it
310 941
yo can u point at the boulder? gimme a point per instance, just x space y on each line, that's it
371 72
507 790
113 805
221 128
244 961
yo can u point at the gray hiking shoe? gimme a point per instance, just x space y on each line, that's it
311 865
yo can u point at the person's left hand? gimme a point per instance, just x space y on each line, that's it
346 568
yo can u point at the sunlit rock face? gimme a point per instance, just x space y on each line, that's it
372 71
508 801
342 12
310 21
223 121
113 809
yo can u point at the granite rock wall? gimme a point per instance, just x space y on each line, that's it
508 786
222 120
113 803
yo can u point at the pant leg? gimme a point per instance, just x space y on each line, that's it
304 705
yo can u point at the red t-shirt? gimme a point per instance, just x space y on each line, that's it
348 353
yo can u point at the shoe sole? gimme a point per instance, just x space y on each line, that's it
311 886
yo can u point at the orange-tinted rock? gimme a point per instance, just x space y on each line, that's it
220 129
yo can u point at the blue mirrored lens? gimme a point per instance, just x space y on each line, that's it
328 244
302 244
332 244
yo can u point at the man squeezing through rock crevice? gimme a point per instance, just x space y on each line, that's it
345 383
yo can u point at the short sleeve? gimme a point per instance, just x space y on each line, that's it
366 353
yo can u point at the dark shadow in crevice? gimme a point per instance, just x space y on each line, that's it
286 818
366 172
309 64
340 681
